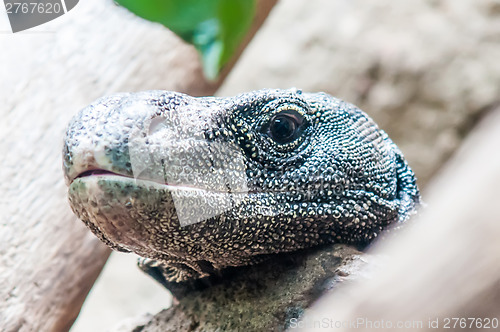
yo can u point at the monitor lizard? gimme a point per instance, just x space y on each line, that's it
198 184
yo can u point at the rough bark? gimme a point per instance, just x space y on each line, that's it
48 260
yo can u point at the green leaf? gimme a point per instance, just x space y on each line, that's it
215 27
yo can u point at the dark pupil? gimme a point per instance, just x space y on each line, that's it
283 128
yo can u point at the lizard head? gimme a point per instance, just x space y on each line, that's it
199 184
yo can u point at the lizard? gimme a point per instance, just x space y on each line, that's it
195 185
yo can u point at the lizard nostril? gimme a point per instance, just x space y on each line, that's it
157 124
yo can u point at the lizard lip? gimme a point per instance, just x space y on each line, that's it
171 186
94 172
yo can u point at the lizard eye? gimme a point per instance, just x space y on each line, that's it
286 126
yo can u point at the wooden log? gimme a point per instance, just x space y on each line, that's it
48 259
264 297
446 265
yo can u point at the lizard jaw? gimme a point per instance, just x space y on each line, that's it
112 204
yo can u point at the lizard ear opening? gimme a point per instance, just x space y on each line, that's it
407 190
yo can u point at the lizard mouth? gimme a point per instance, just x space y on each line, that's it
94 172
167 185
